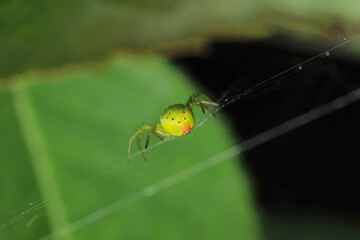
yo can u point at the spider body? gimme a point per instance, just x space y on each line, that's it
175 120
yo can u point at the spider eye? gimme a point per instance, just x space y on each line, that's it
172 119
183 111
184 118
178 121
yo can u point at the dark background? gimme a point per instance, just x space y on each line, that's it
314 167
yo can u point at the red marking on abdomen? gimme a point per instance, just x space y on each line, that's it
186 128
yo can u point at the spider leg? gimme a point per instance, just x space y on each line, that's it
138 141
138 134
206 107
156 130
202 107
202 100
157 135
130 141
209 102
153 128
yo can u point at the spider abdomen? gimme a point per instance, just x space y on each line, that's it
177 119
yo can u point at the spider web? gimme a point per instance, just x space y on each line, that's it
231 96
197 168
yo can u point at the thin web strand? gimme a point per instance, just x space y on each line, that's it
223 102
85 182
76 187
197 168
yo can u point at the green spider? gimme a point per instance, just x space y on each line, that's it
175 120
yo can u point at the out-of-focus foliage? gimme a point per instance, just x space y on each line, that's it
55 136
68 113
41 34
310 223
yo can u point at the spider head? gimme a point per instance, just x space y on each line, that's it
177 120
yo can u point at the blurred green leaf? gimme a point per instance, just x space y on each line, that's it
43 34
64 146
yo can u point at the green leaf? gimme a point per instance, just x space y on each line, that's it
64 160
42 34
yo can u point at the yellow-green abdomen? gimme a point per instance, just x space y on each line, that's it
177 119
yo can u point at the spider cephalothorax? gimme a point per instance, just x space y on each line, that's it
175 120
